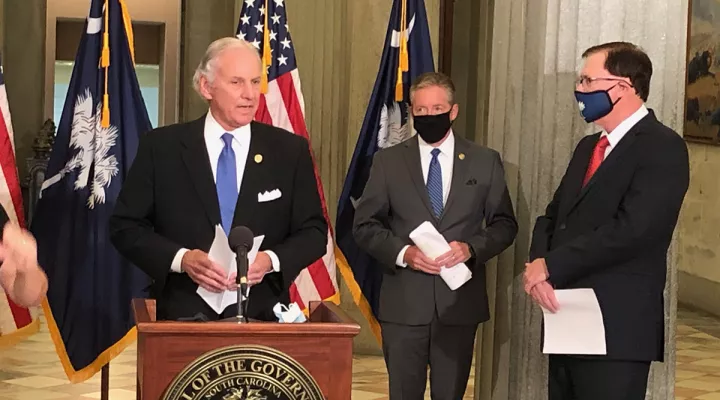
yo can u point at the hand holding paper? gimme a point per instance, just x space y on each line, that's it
434 245
577 327
222 255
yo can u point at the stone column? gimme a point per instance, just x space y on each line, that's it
202 23
532 120
24 61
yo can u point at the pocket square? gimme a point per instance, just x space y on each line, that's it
471 181
269 196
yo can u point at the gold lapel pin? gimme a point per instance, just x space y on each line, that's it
461 156
258 158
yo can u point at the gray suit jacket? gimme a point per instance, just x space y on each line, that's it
395 202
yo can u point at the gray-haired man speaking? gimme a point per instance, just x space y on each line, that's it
221 169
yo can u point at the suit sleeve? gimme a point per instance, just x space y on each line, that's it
544 226
372 213
647 215
131 225
307 241
500 224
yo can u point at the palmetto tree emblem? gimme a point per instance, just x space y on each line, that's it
93 144
239 394
393 129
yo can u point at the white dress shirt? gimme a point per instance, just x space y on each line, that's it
621 130
215 145
446 159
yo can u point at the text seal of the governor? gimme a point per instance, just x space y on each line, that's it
244 372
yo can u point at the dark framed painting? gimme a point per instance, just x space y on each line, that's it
702 91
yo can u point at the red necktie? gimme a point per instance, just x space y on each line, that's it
597 158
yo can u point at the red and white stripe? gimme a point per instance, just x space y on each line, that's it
12 317
283 106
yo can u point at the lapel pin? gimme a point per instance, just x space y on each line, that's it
461 156
258 158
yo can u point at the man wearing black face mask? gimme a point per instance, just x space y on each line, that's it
609 225
456 185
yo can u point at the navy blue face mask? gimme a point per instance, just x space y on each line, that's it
595 105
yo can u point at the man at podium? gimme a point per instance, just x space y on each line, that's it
221 169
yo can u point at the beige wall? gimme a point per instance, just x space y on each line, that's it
166 12
202 23
700 229
699 278
2 24
23 56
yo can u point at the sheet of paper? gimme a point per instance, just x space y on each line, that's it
577 327
433 245
221 254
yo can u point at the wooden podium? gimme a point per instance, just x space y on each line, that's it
323 346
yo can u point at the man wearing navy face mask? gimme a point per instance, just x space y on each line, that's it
456 185
609 225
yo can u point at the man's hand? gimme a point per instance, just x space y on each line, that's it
20 276
18 248
459 253
204 272
535 273
418 261
258 269
544 295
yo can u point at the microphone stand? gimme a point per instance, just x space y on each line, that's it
241 282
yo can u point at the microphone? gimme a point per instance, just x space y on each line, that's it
241 241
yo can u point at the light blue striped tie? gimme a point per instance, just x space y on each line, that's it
226 183
434 184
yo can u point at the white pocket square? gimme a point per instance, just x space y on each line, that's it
269 196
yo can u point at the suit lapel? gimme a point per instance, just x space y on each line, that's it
616 154
460 167
412 159
197 162
255 175
576 174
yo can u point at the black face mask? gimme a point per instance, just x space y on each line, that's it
432 128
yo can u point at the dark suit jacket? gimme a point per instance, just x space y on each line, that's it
395 202
169 201
613 234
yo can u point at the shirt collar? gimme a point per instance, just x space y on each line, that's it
447 147
625 126
213 130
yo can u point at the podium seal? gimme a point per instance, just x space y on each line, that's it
244 372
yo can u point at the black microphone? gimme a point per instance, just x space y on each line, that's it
241 241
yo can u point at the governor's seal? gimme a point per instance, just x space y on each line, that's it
244 372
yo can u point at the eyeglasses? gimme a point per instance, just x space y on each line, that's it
587 81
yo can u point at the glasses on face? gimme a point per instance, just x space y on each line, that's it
586 81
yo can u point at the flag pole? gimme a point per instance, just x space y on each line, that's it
105 382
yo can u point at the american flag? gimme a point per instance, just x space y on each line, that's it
14 320
264 24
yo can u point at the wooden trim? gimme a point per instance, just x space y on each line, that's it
446 36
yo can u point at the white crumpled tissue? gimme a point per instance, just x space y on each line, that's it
287 314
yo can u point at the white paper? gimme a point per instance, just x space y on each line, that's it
577 327
222 255
433 245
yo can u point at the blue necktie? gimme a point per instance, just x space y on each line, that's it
434 184
226 183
